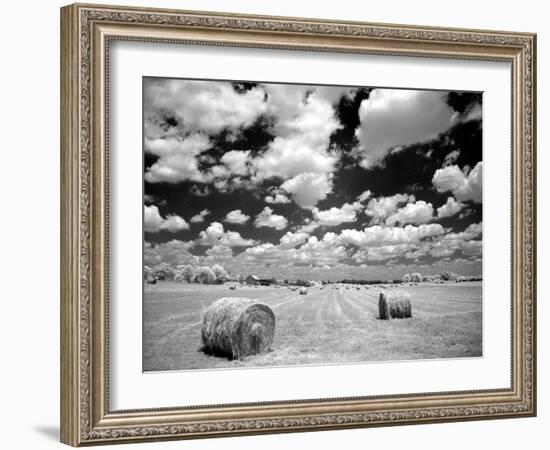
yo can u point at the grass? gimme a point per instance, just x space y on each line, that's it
333 325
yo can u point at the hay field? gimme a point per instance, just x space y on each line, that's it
331 325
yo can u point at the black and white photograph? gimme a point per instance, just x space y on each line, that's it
293 224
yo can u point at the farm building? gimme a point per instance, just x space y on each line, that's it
257 281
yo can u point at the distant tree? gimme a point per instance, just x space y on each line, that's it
205 275
178 275
446 276
185 273
220 273
406 278
163 271
416 277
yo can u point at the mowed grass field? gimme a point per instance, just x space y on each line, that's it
337 324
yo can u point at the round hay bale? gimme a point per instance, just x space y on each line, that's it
237 327
395 305
303 291
232 287
151 280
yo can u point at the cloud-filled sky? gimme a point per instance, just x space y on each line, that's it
315 182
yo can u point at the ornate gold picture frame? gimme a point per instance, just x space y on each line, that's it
87 31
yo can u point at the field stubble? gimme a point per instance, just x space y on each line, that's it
330 325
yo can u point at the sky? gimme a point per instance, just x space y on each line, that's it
314 182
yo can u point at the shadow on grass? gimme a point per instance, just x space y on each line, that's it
220 354
216 352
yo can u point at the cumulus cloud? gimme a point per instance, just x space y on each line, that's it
236 161
333 94
216 235
277 198
381 235
415 213
219 253
177 158
372 244
267 219
363 197
381 253
291 240
236 216
308 188
463 184
199 106
451 158
375 243
392 118
153 222
309 226
446 245
472 248
382 207
200 216
336 216
180 116
172 252
315 252
302 123
450 208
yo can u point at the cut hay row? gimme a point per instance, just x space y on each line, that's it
365 301
305 314
275 297
330 318
338 312
352 314
356 312
288 301
323 309
237 327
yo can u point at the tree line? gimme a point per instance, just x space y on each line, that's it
186 273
